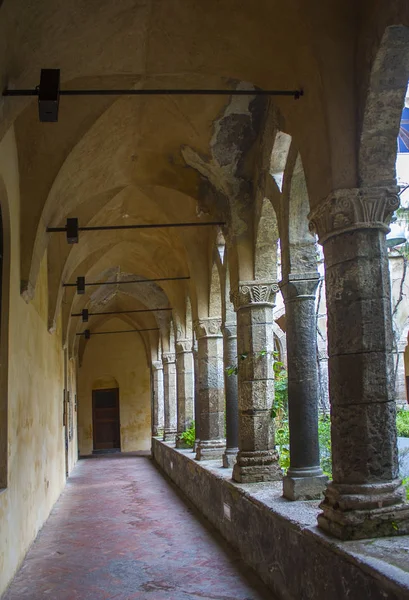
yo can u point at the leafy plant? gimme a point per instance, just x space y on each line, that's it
402 423
189 436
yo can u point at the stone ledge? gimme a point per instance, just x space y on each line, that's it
279 539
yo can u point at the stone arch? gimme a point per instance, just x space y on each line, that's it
5 263
265 256
278 159
381 118
105 382
215 290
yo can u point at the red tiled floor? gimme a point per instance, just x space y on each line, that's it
120 532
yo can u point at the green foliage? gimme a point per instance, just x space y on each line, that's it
188 437
402 423
405 482
324 436
282 438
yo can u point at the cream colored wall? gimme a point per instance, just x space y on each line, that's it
36 469
122 358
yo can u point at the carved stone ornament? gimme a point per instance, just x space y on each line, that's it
210 327
157 365
168 357
229 329
351 209
254 292
183 346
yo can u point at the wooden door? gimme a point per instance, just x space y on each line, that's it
105 417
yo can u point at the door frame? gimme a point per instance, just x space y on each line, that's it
116 390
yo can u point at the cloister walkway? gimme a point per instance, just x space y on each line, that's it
120 532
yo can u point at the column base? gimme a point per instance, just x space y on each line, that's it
180 443
255 466
229 457
354 512
169 435
210 449
304 484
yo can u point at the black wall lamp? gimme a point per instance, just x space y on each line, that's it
49 92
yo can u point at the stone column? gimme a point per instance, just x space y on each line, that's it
305 479
169 384
157 416
185 387
210 399
231 392
196 395
400 375
365 498
257 459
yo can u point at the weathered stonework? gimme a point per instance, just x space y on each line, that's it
210 396
365 498
257 459
185 388
231 390
304 479
169 384
158 398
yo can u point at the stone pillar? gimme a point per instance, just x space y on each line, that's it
210 398
231 392
169 384
400 375
185 388
257 459
305 479
365 498
158 407
196 397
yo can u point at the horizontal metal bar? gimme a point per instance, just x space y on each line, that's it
119 331
139 226
296 94
122 312
125 282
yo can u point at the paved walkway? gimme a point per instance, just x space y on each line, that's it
120 532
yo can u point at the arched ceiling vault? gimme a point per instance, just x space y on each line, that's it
115 160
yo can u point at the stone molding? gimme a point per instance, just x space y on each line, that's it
298 286
209 327
351 209
168 357
157 365
252 293
229 330
183 346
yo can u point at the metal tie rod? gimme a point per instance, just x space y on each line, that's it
85 314
296 94
81 284
48 93
72 228
87 333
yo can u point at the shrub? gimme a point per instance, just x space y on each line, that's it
402 423
188 437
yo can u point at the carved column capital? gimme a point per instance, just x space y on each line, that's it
183 346
229 329
354 208
168 357
157 365
251 293
297 286
209 327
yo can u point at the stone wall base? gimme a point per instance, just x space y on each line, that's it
279 539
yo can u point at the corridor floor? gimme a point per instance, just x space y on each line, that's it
120 532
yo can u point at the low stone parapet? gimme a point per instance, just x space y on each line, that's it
279 539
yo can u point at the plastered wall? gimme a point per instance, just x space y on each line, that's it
35 437
117 358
